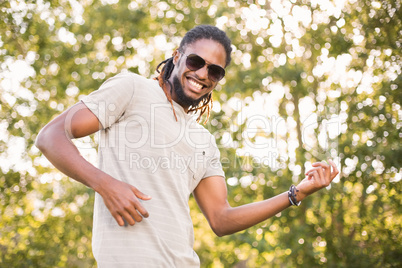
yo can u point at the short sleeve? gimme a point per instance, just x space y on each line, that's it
214 165
110 101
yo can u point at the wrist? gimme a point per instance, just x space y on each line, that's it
299 195
100 182
292 196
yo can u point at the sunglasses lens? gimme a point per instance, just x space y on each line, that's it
215 72
195 62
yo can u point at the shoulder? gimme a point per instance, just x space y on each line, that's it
128 77
128 83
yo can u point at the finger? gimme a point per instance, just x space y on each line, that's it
141 210
322 178
118 219
313 177
309 174
327 168
128 217
335 170
317 175
322 164
137 217
140 194
326 175
130 213
138 205
312 174
310 170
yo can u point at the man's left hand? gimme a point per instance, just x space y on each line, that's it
318 177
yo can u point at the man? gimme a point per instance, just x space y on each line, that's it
153 155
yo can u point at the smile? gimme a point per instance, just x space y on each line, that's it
195 84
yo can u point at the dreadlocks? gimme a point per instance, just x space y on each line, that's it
195 34
163 79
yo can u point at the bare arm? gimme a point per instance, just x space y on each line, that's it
54 140
211 196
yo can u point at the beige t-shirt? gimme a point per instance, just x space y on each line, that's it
142 144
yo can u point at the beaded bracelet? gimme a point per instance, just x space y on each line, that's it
292 195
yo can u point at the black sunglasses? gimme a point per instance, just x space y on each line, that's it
195 62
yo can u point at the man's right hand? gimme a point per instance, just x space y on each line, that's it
122 200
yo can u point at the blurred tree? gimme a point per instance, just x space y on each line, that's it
317 79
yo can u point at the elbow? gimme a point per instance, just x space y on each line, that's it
219 233
42 140
220 229
221 223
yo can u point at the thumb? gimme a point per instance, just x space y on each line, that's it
141 195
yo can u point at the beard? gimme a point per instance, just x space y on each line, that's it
182 98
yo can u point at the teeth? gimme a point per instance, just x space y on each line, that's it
195 84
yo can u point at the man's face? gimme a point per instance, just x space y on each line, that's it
191 86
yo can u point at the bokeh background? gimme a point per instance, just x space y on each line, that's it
309 80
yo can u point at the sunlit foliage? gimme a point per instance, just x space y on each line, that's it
309 80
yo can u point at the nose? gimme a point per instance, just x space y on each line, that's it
203 72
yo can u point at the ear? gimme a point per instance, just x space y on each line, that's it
176 56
